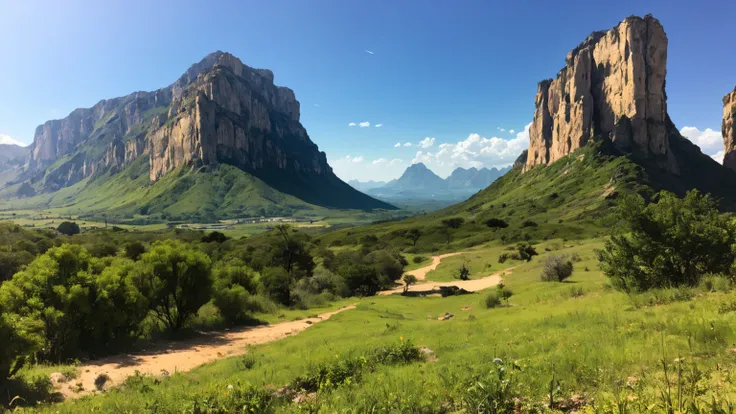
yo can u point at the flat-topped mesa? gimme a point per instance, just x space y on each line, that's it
728 129
612 86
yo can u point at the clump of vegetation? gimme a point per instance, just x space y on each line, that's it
529 223
672 242
498 296
68 228
463 273
408 281
418 259
496 223
524 251
556 268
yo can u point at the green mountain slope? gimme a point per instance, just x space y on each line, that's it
571 198
206 193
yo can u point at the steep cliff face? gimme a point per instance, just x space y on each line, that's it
728 129
219 111
612 86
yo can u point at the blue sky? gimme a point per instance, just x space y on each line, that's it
458 72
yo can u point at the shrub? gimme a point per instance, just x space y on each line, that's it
496 223
408 281
528 223
463 273
69 228
556 268
672 242
418 259
493 299
526 251
134 249
276 284
214 237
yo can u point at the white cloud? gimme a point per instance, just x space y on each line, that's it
511 131
356 160
369 52
352 124
708 140
718 156
407 144
426 142
384 161
475 151
365 124
501 129
378 125
7 139
398 144
317 105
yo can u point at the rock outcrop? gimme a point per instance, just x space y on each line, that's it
728 129
613 87
219 111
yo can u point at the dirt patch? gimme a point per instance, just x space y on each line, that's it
421 273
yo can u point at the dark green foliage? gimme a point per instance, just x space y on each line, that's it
414 235
291 253
361 279
11 262
463 273
453 222
68 228
214 237
408 281
277 284
529 223
229 398
672 242
134 249
233 291
103 249
366 274
418 259
176 279
526 251
556 268
492 300
494 392
82 311
496 223
20 338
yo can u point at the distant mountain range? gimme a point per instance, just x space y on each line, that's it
419 182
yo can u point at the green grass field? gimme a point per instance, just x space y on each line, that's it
577 342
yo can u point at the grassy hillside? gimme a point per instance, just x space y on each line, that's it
203 194
579 345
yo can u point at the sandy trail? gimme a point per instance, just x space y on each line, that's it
421 273
177 356
473 285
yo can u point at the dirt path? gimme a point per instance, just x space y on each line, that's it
421 273
473 285
177 356
168 358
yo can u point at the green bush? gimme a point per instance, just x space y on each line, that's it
418 259
672 242
496 223
556 268
68 228
493 299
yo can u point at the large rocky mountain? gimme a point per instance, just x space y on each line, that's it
473 178
219 112
417 178
728 128
612 90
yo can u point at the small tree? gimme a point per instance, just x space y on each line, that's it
134 249
214 237
450 224
668 243
409 280
68 228
463 273
414 235
177 280
495 223
526 251
556 268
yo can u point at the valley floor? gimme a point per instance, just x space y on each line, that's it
573 345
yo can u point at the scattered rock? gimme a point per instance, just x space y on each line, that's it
467 308
57 378
429 355
309 322
304 397
446 316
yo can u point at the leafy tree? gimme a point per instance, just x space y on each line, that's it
556 269
291 254
463 273
414 235
69 228
276 282
496 223
11 263
134 249
20 338
176 279
526 251
361 279
234 287
214 237
671 242
449 224
408 281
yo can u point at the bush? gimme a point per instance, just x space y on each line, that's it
493 299
69 228
214 237
276 284
496 223
556 268
134 249
526 251
528 223
672 242
418 259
